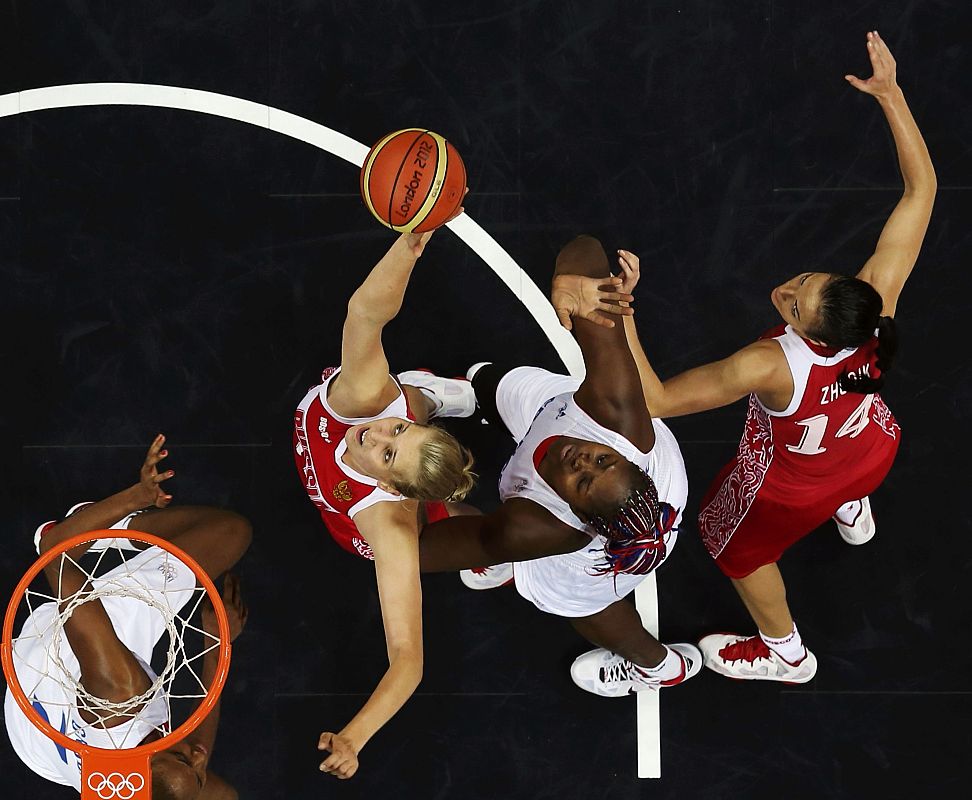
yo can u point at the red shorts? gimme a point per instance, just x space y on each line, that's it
345 532
769 524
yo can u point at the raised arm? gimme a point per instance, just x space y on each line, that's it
364 386
611 392
108 668
756 368
392 531
900 241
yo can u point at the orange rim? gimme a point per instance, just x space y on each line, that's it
194 720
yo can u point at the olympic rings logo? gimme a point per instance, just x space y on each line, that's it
116 785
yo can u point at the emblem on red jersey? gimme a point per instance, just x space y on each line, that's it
342 492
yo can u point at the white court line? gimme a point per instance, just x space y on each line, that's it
481 243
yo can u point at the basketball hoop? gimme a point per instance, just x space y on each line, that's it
123 773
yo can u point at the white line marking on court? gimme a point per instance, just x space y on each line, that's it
488 249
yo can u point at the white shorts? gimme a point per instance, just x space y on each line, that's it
522 391
138 626
567 585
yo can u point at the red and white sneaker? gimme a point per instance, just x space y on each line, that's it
487 577
605 673
453 397
855 522
749 658
100 544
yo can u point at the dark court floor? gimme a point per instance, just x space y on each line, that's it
163 270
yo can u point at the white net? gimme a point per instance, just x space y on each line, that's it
149 596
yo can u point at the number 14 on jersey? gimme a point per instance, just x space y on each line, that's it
815 428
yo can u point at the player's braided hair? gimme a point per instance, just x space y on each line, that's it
635 532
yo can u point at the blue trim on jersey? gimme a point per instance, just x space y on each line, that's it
43 712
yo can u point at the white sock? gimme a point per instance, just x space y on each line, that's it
668 668
848 512
790 648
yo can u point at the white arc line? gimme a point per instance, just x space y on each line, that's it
145 94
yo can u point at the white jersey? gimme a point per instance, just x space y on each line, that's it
137 625
537 405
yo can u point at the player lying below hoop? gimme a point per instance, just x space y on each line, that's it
110 639
592 498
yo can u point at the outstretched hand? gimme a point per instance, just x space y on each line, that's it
884 80
150 479
588 298
343 761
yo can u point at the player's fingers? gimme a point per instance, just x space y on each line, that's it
618 311
163 500
564 316
163 476
856 82
623 297
324 742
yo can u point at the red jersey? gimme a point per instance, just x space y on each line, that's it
338 491
825 444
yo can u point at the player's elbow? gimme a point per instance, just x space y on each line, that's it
408 658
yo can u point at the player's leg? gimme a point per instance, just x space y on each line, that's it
777 651
214 537
629 658
764 595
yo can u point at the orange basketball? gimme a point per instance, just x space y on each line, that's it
413 180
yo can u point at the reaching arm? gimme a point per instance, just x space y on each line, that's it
519 530
611 392
364 386
900 241
391 530
758 368
108 668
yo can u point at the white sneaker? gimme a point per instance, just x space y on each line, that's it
453 397
487 577
98 545
602 672
861 529
749 658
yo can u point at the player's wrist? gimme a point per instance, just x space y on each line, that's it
355 738
893 96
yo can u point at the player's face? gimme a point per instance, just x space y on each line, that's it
591 477
385 448
183 767
798 300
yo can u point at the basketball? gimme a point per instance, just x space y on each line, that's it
413 180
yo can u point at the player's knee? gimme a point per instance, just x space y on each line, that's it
236 530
